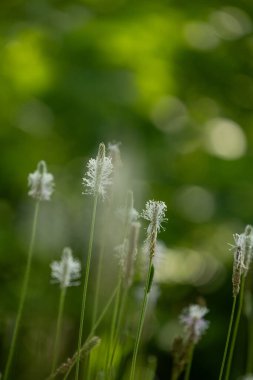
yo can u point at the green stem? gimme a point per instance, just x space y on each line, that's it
121 313
98 282
228 338
235 330
58 329
113 326
189 364
97 323
250 345
23 292
86 279
141 319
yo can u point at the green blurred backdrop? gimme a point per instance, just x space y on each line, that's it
172 81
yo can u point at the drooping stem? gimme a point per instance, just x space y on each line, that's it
228 338
141 319
86 279
23 292
189 363
235 330
58 329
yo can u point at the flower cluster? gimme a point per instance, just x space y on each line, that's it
98 176
194 323
67 270
41 183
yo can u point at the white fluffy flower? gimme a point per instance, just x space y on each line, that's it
67 270
155 214
193 320
41 183
98 176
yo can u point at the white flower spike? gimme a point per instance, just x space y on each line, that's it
67 270
98 176
41 183
194 323
155 214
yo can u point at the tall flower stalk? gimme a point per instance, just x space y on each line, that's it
247 247
192 318
41 184
242 258
96 183
66 272
155 214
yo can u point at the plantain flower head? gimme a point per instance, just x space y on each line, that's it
98 176
41 183
67 270
194 323
155 214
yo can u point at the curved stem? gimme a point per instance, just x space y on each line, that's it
189 364
141 320
58 329
238 316
23 292
86 279
228 338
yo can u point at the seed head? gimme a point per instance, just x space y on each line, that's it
155 214
41 183
194 323
98 176
67 270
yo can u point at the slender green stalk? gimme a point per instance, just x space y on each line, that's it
113 327
228 338
23 292
235 330
141 319
189 363
86 279
250 346
95 326
119 323
58 329
98 281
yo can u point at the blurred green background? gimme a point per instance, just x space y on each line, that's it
172 81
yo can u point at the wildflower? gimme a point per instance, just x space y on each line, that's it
193 320
67 270
41 183
98 176
155 213
242 256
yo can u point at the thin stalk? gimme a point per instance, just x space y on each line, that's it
228 338
235 330
119 324
189 364
86 279
98 281
250 346
141 319
58 329
23 292
113 325
96 325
